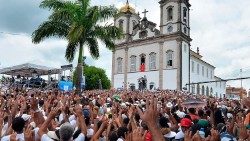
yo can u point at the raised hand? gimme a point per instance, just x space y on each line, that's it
138 135
150 115
28 134
188 136
215 136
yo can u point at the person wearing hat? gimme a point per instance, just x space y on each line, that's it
185 126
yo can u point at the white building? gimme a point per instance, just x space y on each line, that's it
165 54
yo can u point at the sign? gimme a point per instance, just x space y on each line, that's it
65 86
67 67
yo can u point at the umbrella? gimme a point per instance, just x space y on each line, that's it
193 103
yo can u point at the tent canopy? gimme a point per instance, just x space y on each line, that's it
28 69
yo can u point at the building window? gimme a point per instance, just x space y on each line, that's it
134 23
151 85
142 62
121 24
185 14
198 89
170 13
202 70
207 72
133 63
119 65
192 66
170 56
193 89
211 74
198 69
185 30
152 61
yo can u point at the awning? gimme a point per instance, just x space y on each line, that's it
28 69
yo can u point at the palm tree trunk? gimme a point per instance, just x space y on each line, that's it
79 70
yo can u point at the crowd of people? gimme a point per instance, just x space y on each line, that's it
35 115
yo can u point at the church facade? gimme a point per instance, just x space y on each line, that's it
148 58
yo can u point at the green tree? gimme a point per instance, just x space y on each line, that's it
92 77
79 23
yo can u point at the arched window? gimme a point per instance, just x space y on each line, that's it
193 89
121 24
134 23
152 61
170 56
207 91
151 85
142 62
185 14
132 86
203 90
198 89
170 13
133 63
211 91
119 65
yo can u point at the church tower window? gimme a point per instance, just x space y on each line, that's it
170 57
119 65
133 63
170 13
185 14
134 23
152 61
121 24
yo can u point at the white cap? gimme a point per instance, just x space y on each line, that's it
169 105
26 117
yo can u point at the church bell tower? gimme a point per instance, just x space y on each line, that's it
174 16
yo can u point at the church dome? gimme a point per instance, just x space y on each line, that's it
127 9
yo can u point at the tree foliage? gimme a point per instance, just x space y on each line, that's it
92 77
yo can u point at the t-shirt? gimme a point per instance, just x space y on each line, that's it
19 137
179 135
45 137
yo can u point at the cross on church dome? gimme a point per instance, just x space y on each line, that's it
145 13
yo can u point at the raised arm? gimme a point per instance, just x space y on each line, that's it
43 129
81 119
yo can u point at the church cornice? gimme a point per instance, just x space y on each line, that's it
158 39
164 2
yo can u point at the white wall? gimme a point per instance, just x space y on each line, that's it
118 80
185 64
170 79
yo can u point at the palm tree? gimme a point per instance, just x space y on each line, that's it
78 23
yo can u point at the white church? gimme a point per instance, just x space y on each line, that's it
148 58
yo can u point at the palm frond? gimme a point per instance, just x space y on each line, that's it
75 33
49 29
71 51
107 12
52 4
93 47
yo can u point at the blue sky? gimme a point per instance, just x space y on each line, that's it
219 27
